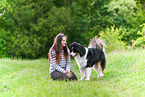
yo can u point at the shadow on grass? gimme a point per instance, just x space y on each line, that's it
108 76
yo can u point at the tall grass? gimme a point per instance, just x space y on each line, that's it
124 76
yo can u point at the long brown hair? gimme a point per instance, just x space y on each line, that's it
57 46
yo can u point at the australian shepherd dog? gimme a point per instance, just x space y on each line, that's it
91 57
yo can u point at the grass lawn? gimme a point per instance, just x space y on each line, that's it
123 77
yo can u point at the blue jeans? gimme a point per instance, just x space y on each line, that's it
56 75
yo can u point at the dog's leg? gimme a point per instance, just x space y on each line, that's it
95 67
82 71
88 73
98 69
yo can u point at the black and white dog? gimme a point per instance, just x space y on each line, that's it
91 57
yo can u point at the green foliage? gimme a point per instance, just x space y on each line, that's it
58 20
24 46
113 38
24 40
80 26
3 4
141 40
99 17
126 14
2 43
123 13
30 25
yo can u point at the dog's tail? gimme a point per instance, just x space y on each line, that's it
97 43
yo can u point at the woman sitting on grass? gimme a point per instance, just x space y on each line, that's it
59 60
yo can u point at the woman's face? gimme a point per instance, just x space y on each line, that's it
63 42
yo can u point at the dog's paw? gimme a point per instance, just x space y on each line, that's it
87 79
100 75
80 79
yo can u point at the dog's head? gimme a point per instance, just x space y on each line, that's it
77 48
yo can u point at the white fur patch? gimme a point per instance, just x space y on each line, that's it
82 62
73 54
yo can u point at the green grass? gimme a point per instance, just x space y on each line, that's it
123 77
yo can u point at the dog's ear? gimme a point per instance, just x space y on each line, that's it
72 44
81 50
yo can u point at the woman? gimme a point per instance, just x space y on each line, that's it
59 60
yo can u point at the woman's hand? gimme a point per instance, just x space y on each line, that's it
68 73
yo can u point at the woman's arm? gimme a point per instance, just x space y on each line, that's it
68 65
53 62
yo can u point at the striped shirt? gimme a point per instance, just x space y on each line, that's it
63 64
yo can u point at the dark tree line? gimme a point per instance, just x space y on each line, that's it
28 27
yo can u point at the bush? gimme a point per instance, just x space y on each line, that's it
2 43
113 38
127 14
141 40
24 46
